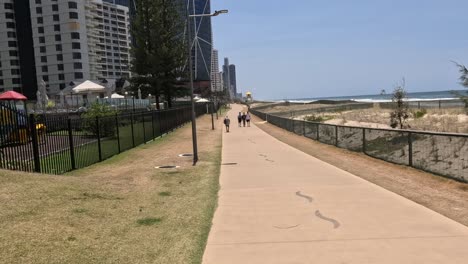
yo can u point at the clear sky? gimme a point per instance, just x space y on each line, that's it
311 48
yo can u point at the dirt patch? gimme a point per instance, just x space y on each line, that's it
442 195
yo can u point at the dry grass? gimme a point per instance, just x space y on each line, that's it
120 211
443 120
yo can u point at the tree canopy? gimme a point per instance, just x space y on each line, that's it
158 49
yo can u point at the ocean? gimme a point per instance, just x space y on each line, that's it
380 98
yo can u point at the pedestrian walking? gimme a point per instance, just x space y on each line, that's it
239 119
244 116
247 118
227 122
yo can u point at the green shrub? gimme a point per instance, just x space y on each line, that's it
317 118
420 113
106 123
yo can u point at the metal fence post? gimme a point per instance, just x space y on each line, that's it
152 124
410 149
72 147
133 134
117 131
336 136
35 143
98 132
318 131
303 128
144 127
364 140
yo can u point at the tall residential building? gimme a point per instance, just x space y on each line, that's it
226 75
216 85
66 41
229 78
232 79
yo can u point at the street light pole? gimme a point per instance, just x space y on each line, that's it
194 125
189 40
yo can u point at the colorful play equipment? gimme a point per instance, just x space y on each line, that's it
14 127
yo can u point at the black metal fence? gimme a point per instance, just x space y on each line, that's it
59 144
445 154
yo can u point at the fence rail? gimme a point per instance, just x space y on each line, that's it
59 144
444 154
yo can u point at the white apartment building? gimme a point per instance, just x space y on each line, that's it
216 83
10 72
79 40
69 41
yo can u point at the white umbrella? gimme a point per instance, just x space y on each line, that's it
88 87
117 96
202 101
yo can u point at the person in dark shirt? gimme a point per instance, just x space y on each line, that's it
227 122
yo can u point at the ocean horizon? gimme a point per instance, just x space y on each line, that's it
380 98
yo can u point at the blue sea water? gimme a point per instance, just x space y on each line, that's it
419 96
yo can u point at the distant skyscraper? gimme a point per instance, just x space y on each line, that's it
232 78
226 76
215 78
202 38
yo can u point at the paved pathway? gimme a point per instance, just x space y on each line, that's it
280 205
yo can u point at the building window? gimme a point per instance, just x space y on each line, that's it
16 81
11 34
14 62
44 69
56 27
38 2
59 57
40 20
62 86
13 53
58 38
76 45
58 47
41 39
60 67
78 75
10 25
61 77
55 7
40 30
45 78
43 58
39 10
77 66
8 6
9 16
72 5
76 55
1 83
73 15
15 72
56 18
42 49
75 35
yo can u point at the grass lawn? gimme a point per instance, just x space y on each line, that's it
88 154
119 211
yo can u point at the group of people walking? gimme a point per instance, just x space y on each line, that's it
243 118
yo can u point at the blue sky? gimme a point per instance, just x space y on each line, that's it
308 48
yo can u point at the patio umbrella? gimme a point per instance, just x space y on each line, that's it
88 87
117 96
12 95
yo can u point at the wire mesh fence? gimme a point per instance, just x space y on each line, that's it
445 154
59 144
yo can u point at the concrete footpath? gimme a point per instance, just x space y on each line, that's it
280 205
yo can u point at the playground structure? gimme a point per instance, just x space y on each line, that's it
14 126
